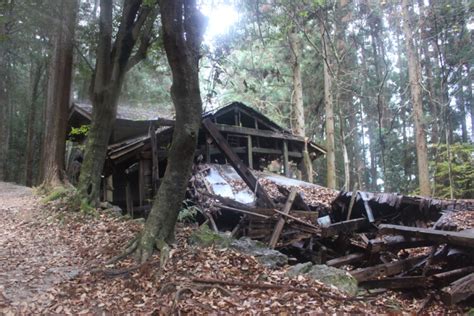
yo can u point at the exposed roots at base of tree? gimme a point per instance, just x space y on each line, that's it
141 255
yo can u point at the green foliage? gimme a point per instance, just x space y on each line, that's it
462 170
56 194
81 131
188 213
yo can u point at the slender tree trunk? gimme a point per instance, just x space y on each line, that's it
330 153
6 25
297 105
113 62
414 73
470 101
179 18
58 97
36 74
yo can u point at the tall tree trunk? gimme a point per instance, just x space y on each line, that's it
36 74
470 101
329 109
112 63
6 25
183 29
414 73
298 121
58 96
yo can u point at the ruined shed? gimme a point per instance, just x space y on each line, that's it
134 166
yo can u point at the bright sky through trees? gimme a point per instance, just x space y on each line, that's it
221 18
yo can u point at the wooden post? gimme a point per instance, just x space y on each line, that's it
249 151
141 182
155 174
239 166
109 187
286 166
129 199
208 148
281 220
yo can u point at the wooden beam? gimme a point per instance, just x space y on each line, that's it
250 151
385 269
259 132
395 243
281 221
244 172
368 209
341 261
459 290
462 239
397 283
286 166
349 226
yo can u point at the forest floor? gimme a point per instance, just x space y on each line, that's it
53 262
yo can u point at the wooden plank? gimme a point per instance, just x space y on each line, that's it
462 239
223 207
351 203
281 220
349 226
385 269
299 203
397 283
286 166
368 209
296 219
450 276
396 243
351 258
459 290
243 171
257 132
154 155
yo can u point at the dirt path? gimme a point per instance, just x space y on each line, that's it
34 253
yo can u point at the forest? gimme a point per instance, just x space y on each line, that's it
337 71
363 107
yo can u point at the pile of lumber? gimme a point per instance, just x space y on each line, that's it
384 240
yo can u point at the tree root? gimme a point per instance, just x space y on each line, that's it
131 248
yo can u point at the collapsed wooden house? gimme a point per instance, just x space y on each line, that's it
138 150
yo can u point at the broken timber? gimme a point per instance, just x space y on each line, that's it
349 226
281 221
459 290
385 269
239 166
461 239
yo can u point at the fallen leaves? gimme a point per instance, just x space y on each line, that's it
48 256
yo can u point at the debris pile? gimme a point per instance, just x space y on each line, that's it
384 240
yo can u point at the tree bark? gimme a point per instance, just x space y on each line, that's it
113 61
58 96
329 111
5 29
36 74
414 73
183 29
298 120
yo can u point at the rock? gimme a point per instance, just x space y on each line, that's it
330 276
270 258
205 237
105 205
300 268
